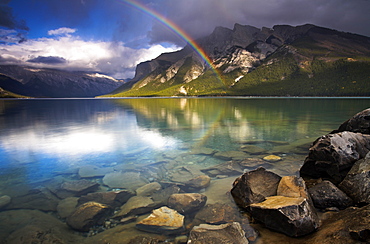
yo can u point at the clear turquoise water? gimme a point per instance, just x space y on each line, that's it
41 139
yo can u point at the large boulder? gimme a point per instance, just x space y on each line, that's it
126 180
290 215
87 215
230 233
187 203
326 195
357 182
163 220
254 186
333 155
360 122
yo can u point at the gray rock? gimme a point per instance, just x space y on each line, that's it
161 197
163 220
254 186
203 151
326 195
112 198
228 168
90 171
187 203
199 182
76 188
230 233
88 215
67 206
333 155
289 215
253 149
357 182
41 199
126 180
360 123
218 213
231 155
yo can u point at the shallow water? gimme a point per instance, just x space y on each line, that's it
48 139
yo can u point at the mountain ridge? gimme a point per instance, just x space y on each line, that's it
44 82
245 52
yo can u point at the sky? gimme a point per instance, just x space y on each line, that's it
113 36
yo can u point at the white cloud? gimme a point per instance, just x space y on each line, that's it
113 59
61 31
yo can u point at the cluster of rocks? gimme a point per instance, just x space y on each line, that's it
165 201
337 173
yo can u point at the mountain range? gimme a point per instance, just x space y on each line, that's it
304 60
284 60
37 82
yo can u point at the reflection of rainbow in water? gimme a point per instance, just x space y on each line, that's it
177 30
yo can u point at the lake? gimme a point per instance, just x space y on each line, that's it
167 140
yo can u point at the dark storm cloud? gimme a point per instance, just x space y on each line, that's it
8 20
48 60
199 17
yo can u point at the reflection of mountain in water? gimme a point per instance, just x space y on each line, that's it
242 119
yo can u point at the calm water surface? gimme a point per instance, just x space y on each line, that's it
44 139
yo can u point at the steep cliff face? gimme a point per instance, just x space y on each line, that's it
247 57
55 83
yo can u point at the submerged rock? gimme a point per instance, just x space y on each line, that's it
163 220
253 149
230 233
67 206
333 155
41 199
199 182
4 200
231 155
326 195
227 168
187 203
357 182
126 180
254 186
34 226
112 198
136 205
218 213
290 215
88 215
90 171
148 189
76 188
272 158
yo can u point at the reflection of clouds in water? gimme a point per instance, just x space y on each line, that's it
78 140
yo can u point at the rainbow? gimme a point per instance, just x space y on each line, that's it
177 30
